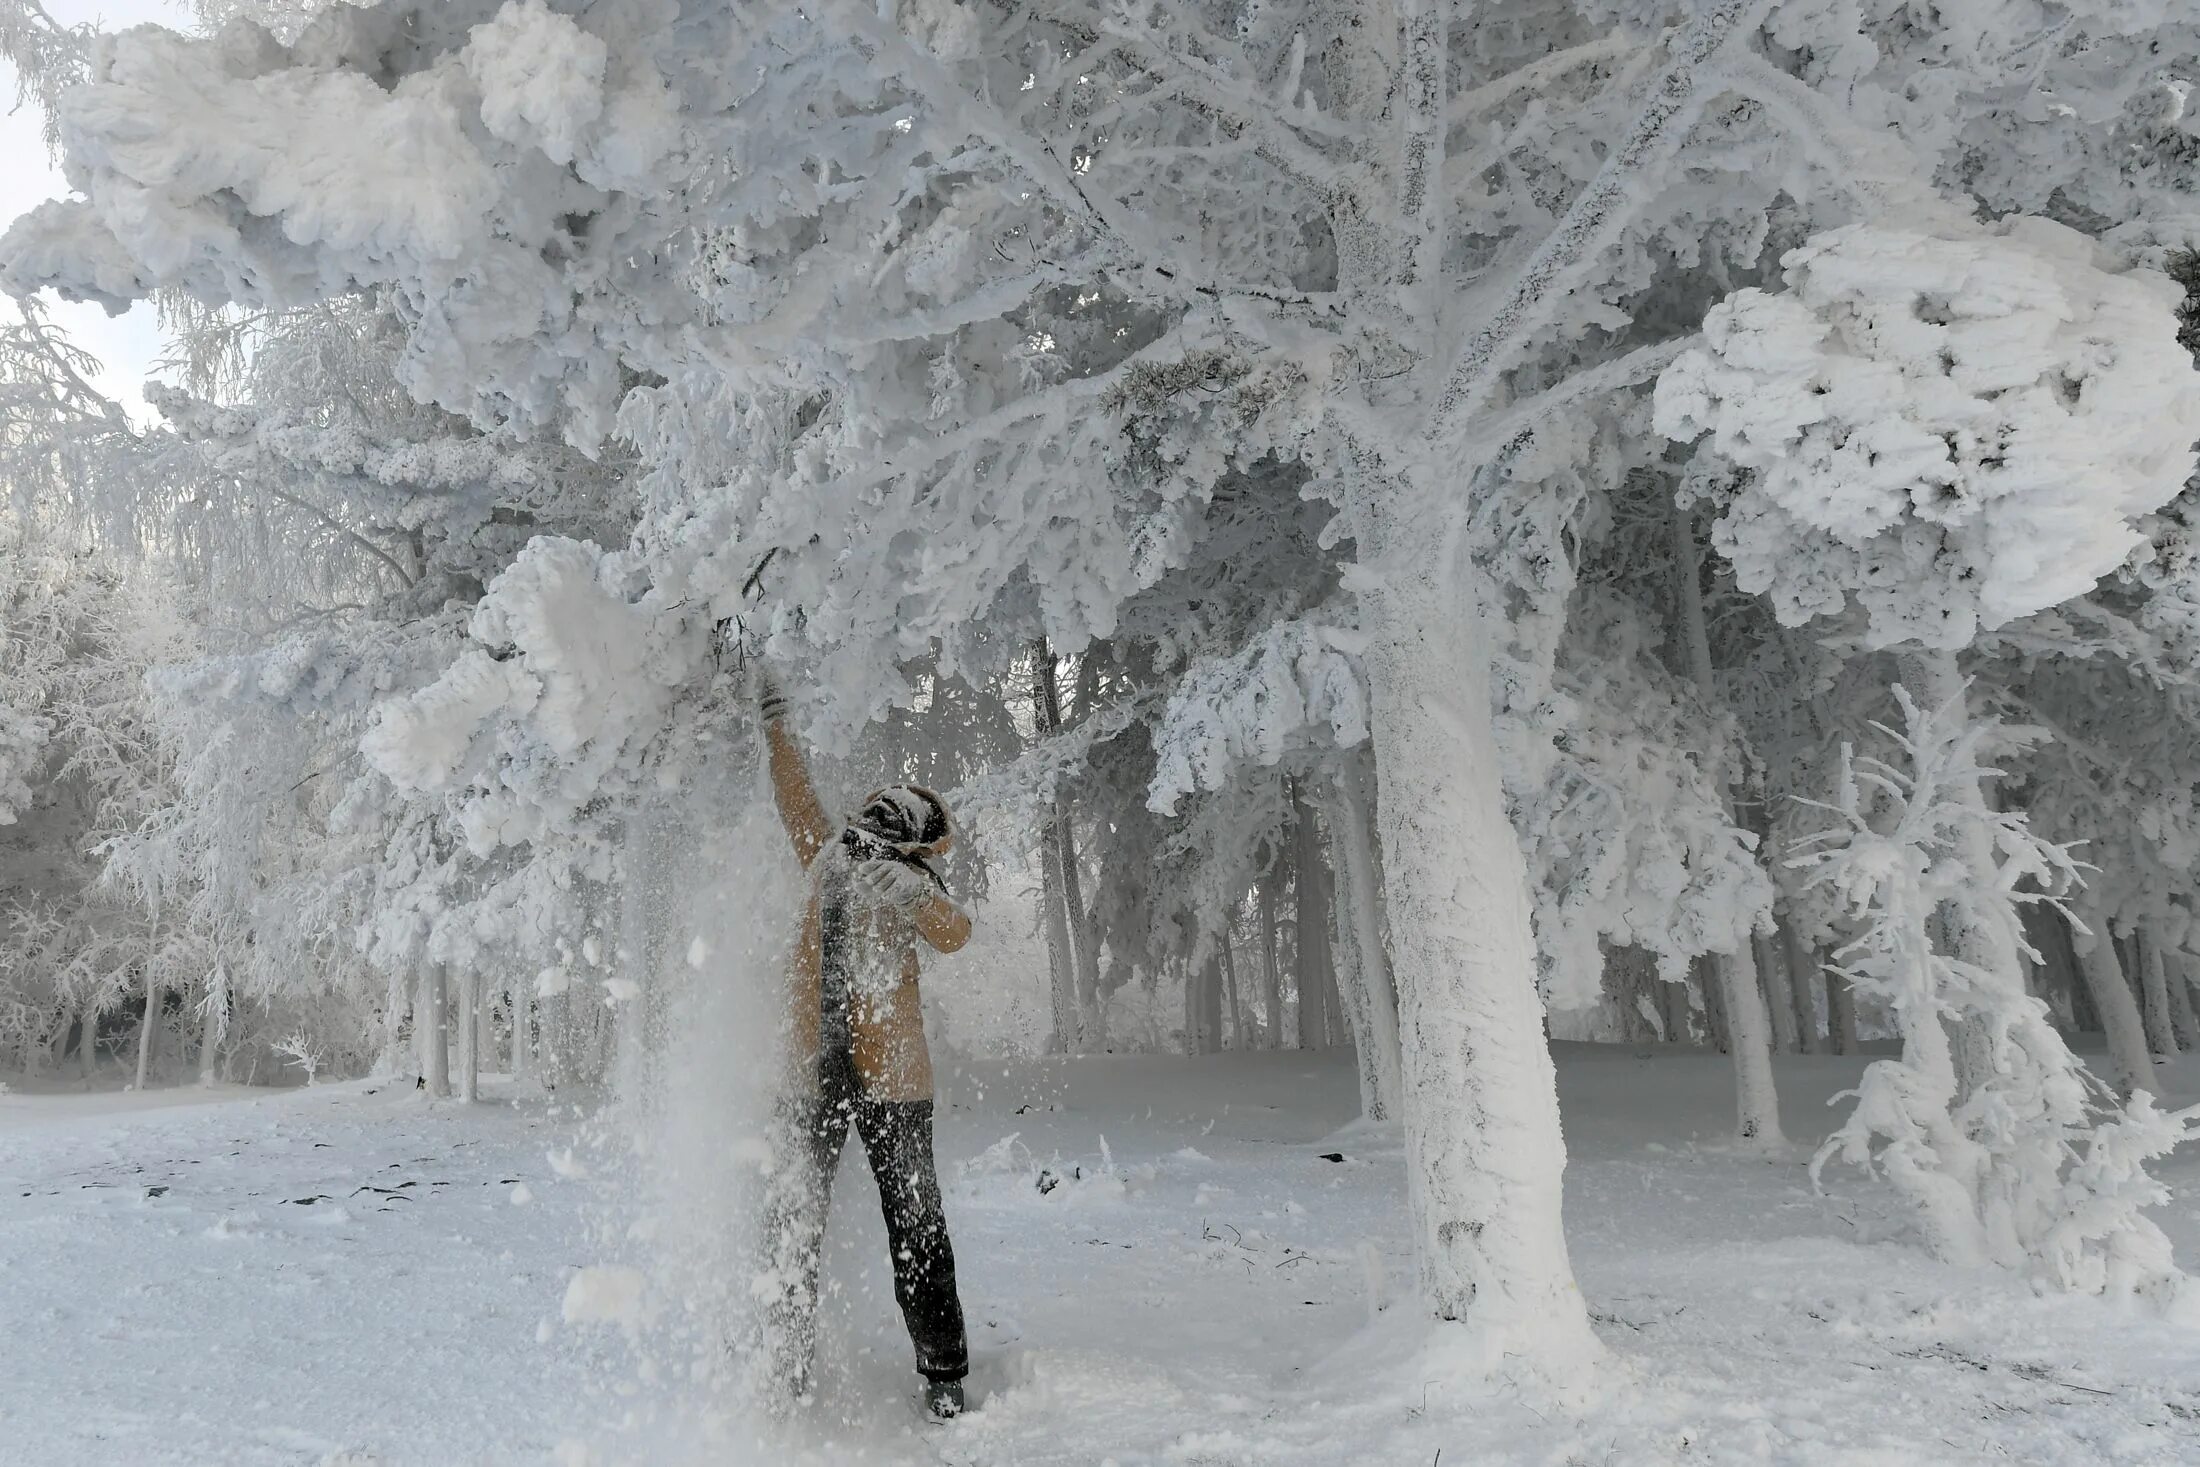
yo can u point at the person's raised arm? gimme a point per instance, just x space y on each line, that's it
792 791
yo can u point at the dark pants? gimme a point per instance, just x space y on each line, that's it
897 1136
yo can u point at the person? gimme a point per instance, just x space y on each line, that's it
858 1059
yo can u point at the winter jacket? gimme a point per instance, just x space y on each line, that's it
886 1019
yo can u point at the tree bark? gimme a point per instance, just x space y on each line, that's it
523 1024
210 1042
1230 990
1840 1009
1710 1002
1062 1007
2154 980
1210 1006
1802 984
2128 1058
145 1030
469 1034
1310 923
1271 974
1779 994
1374 1003
1084 940
431 1027
2180 1000
1749 1027
393 1026
1485 1158
87 1045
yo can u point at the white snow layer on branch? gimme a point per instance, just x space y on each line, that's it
240 169
1626 832
1297 685
1954 431
570 681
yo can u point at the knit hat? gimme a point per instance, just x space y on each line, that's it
909 818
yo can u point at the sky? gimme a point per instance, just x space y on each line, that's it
125 345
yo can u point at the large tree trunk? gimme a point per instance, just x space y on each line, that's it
2161 1026
1748 1025
431 1027
2128 1058
1485 1159
1373 1002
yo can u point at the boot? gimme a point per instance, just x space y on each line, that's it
943 1399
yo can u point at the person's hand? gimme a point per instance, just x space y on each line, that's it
771 700
882 882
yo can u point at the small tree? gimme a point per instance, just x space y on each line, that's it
2039 1168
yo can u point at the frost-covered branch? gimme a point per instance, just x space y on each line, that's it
1596 214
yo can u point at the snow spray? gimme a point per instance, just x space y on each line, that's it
713 901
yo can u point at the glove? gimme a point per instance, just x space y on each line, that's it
771 702
886 883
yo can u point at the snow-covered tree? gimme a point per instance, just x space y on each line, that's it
2038 1167
939 331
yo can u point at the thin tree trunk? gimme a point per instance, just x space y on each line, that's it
87 1045
145 1030
1210 1006
1676 1011
1711 996
1840 1009
469 1034
1062 1009
210 1043
1485 1158
1779 994
431 1025
1062 973
1230 988
1802 984
1990 947
1375 1004
393 1027
1060 837
2119 1010
523 1023
1749 1028
1271 972
1310 923
2180 1000
2154 980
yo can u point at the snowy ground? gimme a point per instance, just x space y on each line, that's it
351 1276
